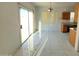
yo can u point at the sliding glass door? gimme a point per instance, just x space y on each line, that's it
30 22
24 21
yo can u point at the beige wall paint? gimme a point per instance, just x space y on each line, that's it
48 18
37 18
44 17
9 28
58 11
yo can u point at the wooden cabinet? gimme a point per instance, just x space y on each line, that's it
63 28
76 8
72 37
65 19
66 15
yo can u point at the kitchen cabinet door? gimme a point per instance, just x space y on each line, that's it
66 15
72 37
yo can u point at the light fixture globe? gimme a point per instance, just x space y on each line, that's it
50 9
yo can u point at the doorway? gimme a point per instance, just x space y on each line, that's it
26 22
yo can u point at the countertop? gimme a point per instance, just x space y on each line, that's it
71 24
75 29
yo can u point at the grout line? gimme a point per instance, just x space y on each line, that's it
35 53
42 47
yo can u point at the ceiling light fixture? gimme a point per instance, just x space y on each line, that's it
50 8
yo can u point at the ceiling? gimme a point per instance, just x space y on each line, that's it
54 4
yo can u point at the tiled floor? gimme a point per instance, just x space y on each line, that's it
48 42
32 45
58 45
